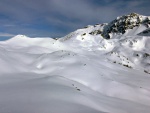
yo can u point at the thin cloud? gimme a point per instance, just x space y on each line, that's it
6 34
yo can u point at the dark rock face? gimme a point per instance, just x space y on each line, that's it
96 32
121 24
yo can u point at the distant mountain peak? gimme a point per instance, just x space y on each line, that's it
126 25
125 22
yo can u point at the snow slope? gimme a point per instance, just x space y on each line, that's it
79 73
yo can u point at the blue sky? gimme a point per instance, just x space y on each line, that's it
56 18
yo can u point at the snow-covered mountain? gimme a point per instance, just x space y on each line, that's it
102 68
125 40
130 24
124 24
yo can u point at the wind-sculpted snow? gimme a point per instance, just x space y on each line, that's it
80 73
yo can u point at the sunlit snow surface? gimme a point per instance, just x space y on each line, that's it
84 74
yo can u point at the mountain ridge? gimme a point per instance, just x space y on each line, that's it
119 26
129 49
